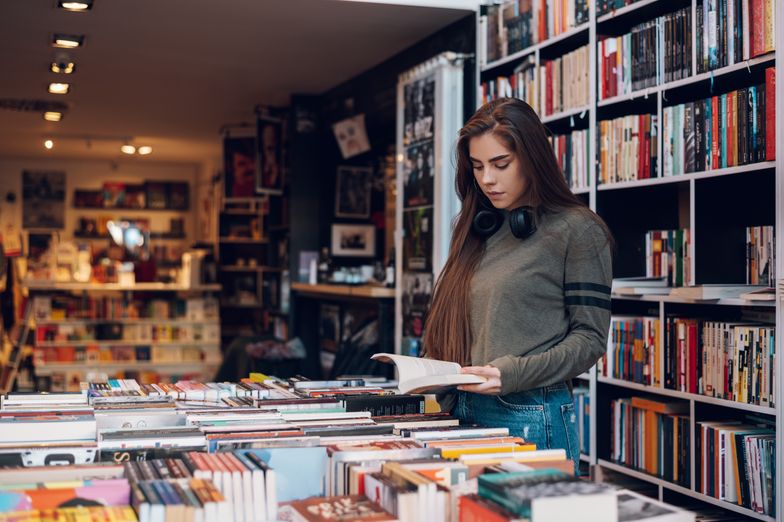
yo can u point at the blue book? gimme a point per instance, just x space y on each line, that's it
299 472
708 134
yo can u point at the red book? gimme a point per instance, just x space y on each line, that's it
730 127
770 113
693 343
757 27
474 508
715 132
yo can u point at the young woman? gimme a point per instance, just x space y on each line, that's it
524 297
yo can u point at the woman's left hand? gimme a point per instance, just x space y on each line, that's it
490 387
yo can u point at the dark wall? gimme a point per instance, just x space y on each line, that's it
373 93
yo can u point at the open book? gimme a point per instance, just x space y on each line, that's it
416 375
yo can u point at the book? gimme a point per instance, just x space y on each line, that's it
417 375
634 507
344 508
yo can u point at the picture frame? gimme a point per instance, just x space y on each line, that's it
352 192
43 199
353 240
240 166
269 156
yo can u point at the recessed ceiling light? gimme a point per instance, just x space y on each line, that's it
74 5
128 149
49 144
68 41
63 68
53 116
59 88
144 150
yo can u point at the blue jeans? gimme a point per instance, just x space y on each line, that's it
544 416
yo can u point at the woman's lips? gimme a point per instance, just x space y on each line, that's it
495 195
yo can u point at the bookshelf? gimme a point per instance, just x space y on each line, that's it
744 192
148 331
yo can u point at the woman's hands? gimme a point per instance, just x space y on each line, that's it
491 387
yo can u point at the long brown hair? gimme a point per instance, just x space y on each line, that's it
448 332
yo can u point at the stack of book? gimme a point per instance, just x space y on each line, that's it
632 62
515 25
523 83
733 31
651 436
632 353
564 82
737 463
571 152
726 130
58 308
668 254
761 256
628 148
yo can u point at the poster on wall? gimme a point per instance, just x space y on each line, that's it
269 175
43 199
417 291
418 240
351 136
418 175
419 110
352 192
239 167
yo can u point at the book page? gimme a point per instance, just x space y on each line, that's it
415 367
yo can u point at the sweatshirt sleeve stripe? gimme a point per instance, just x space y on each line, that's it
592 287
579 300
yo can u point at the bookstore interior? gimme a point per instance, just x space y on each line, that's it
216 270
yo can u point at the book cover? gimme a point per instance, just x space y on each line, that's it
418 240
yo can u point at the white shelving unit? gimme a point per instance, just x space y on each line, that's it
659 94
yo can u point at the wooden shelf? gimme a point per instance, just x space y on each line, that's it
684 178
235 268
767 410
114 287
124 210
242 240
327 290
529 50
681 489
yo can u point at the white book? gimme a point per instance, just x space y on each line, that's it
638 282
417 375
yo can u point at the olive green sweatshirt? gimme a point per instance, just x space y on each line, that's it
540 307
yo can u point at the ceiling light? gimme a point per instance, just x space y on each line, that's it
144 150
77 6
49 144
67 41
53 116
63 68
59 88
128 149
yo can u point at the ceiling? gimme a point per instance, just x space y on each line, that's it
170 73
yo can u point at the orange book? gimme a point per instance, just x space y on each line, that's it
659 407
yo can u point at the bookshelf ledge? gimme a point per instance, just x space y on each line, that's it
767 410
682 490
682 178
680 300
576 112
533 48
44 369
138 287
585 376
625 10
585 458
121 342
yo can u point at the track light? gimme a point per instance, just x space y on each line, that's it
77 6
128 149
59 88
144 150
67 41
49 144
53 116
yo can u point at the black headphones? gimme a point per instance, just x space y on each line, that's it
488 220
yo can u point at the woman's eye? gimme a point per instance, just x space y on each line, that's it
477 167
502 167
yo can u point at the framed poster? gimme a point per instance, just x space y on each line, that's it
429 117
353 240
239 167
352 192
43 199
269 138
